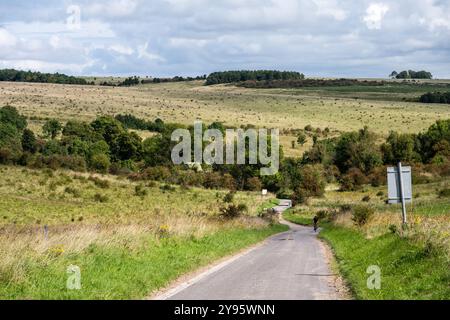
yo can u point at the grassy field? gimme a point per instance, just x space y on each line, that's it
335 108
51 220
414 262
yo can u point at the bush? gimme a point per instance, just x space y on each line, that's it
5 156
156 173
353 180
100 198
75 192
253 184
167 188
100 163
362 214
233 211
213 180
393 229
103 184
445 193
140 190
229 197
366 199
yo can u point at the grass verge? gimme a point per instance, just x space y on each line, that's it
123 273
408 271
303 219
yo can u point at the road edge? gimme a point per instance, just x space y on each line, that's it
189 279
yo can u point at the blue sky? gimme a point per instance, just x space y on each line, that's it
347 38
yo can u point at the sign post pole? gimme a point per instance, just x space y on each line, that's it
402 193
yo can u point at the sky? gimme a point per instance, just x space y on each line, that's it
159 38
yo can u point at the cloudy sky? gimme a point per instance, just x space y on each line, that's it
348 38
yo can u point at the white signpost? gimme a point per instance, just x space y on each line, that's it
400 187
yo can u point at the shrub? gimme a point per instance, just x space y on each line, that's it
29 142
103 184
253 184
353 180
100 198
444 193
229 197
233 211
156 173
393 228
213 180
73 191
167 188
362 214
100 163
140 190
5 156
366 199
285 194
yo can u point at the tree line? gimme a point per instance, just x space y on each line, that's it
411 74
246 75
107 145
435 97
29 76
301 83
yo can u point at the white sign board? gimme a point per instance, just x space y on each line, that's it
264 192
394 191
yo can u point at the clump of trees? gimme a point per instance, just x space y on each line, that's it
29 76
411 74
131 122
435 97
257 75
174 79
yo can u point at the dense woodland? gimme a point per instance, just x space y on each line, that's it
246 75
28 76
106 146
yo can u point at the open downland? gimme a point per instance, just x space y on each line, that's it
287 109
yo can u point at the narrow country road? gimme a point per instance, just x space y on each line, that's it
288 266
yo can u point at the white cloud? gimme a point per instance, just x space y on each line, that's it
330 8
144 54
122 49
7 39
43 66
115 8
375 14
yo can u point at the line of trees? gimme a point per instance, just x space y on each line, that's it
29 76
106 145
131 122
267 84
411 74
435 97
246 75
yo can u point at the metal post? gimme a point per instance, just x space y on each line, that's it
402 194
